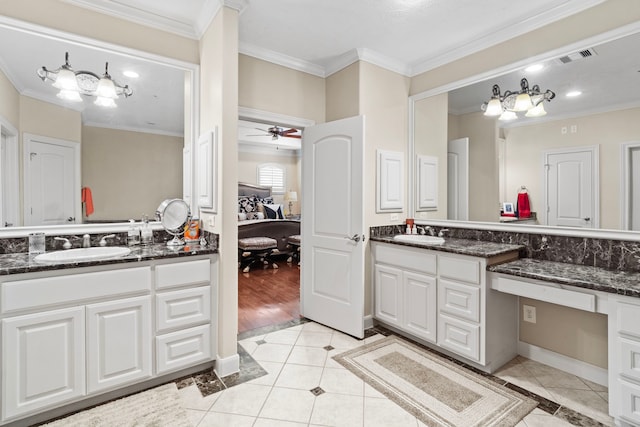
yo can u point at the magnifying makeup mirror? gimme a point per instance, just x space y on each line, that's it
174 214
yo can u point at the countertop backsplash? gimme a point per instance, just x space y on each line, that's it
617 255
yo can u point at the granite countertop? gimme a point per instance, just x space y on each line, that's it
599 279
24 263
475 248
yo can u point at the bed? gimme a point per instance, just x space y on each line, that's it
253 200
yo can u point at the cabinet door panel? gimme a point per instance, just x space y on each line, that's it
420 310
119 342
459 300
42 360
183 348
388 283
182 308
467 270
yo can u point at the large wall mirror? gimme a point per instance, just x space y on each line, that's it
130 156
579 164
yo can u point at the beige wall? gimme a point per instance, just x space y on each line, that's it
45 119
483 166
343 93
269 87
431 136
63 16
130 173
574 333
9 101
525 146
248 162
219 109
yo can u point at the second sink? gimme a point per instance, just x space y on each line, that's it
419 239
83 254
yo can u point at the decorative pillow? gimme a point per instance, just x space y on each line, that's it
242 216
273 211
247 204
255 215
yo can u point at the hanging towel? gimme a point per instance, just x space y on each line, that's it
524 210
87 199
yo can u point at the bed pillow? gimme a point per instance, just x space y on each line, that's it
242 216
247 204
255 215
273 211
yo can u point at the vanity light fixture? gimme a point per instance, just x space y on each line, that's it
527 99
72 84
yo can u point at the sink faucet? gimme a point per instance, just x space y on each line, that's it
441 233
66 244
103 241
86 241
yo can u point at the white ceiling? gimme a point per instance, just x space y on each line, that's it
319 37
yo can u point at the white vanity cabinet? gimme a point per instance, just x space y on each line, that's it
443 299
624 359
76 333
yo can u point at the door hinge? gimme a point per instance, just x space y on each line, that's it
32 155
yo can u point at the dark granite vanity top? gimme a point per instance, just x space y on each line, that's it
599 279
24 263
475 248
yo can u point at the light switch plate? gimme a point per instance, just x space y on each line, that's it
529 313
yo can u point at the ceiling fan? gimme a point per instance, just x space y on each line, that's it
277 132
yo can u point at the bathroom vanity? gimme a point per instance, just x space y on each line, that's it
74 331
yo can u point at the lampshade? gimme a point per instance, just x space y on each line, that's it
291 196
105 102
69 95
106 88
66 80
508 115
494 108
537 111
523 102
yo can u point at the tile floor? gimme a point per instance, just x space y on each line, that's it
304 386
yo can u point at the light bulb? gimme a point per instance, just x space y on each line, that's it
106 88
66 80
69 95
537 111
105 102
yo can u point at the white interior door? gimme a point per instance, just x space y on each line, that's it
52 190
630 185
458 179
571 187
9 176
333 247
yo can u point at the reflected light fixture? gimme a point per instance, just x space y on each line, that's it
508 104
72 84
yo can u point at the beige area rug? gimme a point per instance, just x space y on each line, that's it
432 388
158 407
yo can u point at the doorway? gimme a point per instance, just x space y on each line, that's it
630 186
9 178
458 179
268 296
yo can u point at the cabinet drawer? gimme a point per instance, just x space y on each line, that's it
414 259
459 336
183 308
183 273
183 348
459 300
629 358
47 291
628 315
629 401
466 270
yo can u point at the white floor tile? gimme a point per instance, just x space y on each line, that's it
586 402
340 340
342 382
299 376
373 338
372 392
217 419
332 363
542 419
311 356
314 339
288 405
284 336
266 422
192 398
316 327
243 399
273 370
385 413
272 352
195 416
338 410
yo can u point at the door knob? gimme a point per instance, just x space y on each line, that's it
355 238
587 219
71 219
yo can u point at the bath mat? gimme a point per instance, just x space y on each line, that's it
435 390
158 407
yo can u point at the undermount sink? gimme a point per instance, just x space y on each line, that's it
419 239
83 254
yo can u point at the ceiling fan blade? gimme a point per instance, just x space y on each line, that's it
290 131
264 134
292 136
262 130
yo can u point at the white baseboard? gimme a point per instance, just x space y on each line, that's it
227 365
368 321
564 363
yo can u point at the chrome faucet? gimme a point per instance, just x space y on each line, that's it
103 241
423 230
86 241
66 244
441 233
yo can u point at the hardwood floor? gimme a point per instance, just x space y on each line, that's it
268 296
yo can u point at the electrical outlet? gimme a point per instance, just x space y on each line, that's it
529 313
574 128
394 217
563 130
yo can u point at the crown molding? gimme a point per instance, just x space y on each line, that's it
281 59
252 114
239 5
133 129
512 30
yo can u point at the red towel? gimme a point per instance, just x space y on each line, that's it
87 199
524 210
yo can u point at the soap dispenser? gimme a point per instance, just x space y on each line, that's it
146 234
133 234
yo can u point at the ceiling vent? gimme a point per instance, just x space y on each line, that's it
582 54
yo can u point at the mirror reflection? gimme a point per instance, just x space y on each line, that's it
576 164
63 155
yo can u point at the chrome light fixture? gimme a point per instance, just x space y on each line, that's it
526 99
72 84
